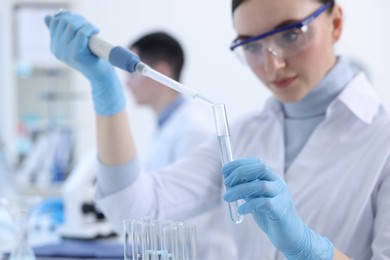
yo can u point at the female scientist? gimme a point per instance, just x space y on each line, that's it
321 187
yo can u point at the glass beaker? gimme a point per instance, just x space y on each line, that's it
20 210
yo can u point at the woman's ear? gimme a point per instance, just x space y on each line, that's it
337 22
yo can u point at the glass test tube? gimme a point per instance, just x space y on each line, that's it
149 240
223 133
133 239
179 241
189 237
140 239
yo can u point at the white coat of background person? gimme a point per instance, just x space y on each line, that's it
180 128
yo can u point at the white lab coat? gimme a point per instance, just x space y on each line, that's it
340 181
181 132
185 129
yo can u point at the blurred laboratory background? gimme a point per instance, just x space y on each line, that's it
46 113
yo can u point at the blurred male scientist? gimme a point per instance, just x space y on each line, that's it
179 129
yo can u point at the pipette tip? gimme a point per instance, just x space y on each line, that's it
204 99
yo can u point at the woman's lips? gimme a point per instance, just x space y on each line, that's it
284 83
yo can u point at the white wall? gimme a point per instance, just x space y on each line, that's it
367 38
2 108
7 119
204 27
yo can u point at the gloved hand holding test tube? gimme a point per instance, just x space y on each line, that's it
128 61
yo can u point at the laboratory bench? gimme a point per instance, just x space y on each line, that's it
78 250
62 249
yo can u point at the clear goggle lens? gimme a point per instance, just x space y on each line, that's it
283 45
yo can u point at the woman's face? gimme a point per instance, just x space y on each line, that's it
290 79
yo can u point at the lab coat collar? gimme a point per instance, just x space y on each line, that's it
272 106
170 110
315 103
359 91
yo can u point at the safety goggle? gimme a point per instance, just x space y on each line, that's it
283 42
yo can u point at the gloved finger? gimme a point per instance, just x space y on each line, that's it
47 20
250 172
69 29
274 207
247 173
84 33
79 34
256 205
57 28
51 22
79 47
48 17
74 24
228 168
253 189
62 21
58 25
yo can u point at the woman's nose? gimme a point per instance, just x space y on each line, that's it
272 60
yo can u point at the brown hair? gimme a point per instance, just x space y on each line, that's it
161 46
237 3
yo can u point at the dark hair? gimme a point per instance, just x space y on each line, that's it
160 46
237 3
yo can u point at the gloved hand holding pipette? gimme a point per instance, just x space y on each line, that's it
82 35
69 35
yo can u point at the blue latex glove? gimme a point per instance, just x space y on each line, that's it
69 35
267 197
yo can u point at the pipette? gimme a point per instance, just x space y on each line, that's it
128 61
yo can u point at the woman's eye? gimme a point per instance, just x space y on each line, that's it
253 47
290 36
